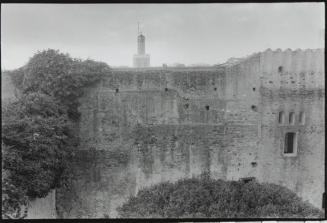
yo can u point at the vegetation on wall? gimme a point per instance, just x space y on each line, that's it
209 198
38 128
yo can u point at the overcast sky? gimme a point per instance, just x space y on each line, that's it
191 33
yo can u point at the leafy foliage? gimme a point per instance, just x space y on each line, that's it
13 198
40 137
60 76
205 197
38 128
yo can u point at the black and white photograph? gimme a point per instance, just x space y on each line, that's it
180 111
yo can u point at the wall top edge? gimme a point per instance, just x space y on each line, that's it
269 51
292 50
213 68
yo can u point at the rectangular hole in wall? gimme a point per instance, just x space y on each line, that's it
281 117
291 118
290 143
301 118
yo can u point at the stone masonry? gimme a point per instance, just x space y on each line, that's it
140 127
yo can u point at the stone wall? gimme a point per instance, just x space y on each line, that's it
43 208
167 124
7 88
293 81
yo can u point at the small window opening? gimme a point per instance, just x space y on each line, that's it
290 142
253 89
254 164
254 108
280 69
247 179
117 90
215 89
281 117
166 89
186 106
207 107
291 118
302 118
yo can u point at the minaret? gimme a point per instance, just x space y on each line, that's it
141 59
141 45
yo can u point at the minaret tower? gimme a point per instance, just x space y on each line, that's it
141 59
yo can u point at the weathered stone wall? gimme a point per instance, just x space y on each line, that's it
43 208
176 123
293 81
169 124
7 89
287 81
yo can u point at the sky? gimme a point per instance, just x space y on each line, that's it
175 33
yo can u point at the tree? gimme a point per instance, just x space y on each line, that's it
40 139
38 129
205 197
14 200
60 76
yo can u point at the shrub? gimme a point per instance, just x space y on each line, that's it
205 197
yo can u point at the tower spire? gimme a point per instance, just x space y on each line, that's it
141 59
139 31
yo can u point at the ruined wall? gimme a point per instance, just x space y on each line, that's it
144 126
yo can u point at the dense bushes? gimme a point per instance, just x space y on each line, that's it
207 198
38 128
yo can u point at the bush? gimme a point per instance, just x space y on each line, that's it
208 198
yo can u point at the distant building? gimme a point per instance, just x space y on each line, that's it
141 59
199 65
177 65
233 60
